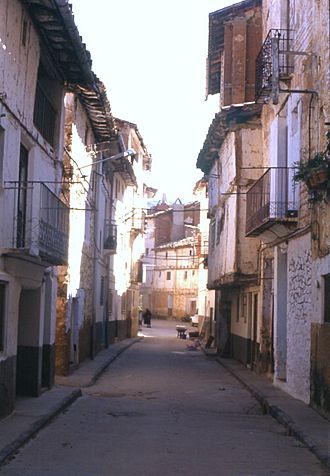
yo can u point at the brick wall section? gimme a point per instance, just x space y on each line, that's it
86 283
163 224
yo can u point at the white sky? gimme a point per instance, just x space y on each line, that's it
151 55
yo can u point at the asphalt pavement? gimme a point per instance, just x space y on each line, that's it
32 414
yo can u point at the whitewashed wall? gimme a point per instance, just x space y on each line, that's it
299 317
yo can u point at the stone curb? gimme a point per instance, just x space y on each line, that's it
281 417
9 450
106 364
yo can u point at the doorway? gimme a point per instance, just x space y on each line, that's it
29 350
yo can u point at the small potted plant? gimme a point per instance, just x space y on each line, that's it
314 172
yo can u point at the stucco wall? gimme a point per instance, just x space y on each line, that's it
16 58
299 317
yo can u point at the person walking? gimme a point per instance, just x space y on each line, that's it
147 317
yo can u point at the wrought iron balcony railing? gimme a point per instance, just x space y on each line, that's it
272 199
273 63
110 236
38 221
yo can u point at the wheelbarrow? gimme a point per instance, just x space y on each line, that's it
181 332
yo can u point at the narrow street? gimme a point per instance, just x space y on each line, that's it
162 409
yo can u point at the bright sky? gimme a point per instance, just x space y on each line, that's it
151 56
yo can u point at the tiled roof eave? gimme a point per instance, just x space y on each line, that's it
228 119
54 21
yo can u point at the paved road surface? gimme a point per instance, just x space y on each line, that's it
163 410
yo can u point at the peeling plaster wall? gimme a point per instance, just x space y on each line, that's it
299 317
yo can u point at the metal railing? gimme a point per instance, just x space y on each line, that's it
40 221
273 62
53 227
271 199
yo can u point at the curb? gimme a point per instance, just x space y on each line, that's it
281 417
9 450
109 361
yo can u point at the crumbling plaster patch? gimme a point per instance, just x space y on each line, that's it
299 317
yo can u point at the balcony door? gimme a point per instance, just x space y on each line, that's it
22 197
285 142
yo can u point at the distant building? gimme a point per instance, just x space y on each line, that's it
172 261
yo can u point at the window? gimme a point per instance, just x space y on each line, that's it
159 274
244 309
168 275
2 314
185 274
327 298
44 115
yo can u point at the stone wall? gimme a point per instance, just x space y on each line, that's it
62 349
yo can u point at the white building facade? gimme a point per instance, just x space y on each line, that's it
34 217
295 122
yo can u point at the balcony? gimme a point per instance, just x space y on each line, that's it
110 236
272 202
40 222
123 167
273 64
